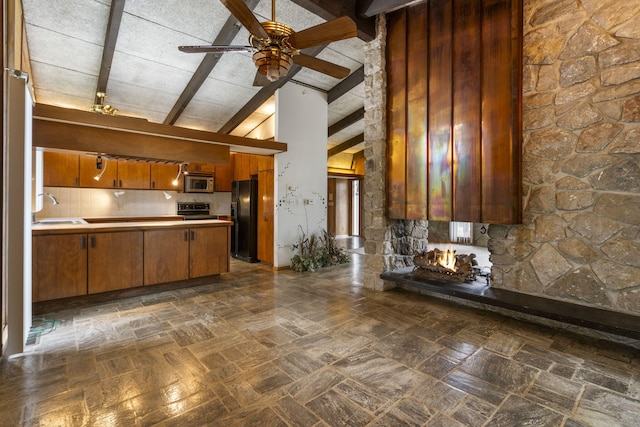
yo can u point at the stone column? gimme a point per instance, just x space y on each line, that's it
390 244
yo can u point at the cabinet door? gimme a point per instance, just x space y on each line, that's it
60 169
208 251
59 266
265 216
166 255
223 177
89 170
163 175
114 261
135 175
201 167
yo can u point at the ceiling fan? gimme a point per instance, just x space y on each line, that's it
275 45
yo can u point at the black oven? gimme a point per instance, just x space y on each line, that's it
195 210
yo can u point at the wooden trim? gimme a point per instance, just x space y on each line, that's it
331 9
353 80
133 125
119 143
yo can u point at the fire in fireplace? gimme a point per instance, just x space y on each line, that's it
445 265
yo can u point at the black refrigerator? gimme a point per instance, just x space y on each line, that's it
244 213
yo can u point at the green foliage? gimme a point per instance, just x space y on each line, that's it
316 252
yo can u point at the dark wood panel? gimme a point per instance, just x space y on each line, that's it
466 126
166 255
497 133
265 215
397 123
59 266
111 252
440 110
417 87
208 251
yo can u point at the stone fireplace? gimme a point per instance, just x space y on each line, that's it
580 237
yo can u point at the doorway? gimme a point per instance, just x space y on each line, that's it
344 207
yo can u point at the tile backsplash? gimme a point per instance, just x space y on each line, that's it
89 202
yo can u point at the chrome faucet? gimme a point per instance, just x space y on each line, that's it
51 197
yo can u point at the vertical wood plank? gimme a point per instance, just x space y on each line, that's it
498 180
440 109
397 123
417 82
466 111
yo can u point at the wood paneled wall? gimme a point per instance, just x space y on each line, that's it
454 111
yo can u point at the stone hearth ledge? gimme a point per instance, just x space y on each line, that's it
622 324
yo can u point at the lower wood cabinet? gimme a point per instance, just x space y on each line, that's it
59 266
67 265
208 251
114 261
166 255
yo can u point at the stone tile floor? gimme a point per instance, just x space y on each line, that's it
265 348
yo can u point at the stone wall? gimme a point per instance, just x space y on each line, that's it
390 244
580 240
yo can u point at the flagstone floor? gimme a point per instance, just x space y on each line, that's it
265 348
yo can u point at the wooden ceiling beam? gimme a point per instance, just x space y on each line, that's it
110 39
264 94
227 34
370 8
346 145
332 9
344 123
353 80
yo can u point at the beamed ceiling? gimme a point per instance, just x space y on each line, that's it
129 49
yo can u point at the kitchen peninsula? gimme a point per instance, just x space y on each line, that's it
83 259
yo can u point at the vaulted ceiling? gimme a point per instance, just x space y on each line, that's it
129 49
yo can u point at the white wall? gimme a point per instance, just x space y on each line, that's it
300 175
90 202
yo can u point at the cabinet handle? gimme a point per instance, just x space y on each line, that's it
83 242
153 184
93 241
75 181
120 183
193 235
114 183
186 236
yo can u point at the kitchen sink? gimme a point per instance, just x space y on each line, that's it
59 221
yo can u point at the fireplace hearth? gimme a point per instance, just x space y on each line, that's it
445 265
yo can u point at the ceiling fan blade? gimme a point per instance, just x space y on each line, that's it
331 31
322 66
243 14
209 49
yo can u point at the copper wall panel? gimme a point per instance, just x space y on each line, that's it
417 113
467 173
497 131
454 74
440 110
396 116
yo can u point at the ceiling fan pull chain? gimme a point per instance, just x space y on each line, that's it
273 10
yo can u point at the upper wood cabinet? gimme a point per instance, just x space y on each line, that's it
134 175
163 176
223 177
89 170
454 111
201 167
61 169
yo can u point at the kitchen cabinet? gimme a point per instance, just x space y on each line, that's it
166 255
208 251
133 175
201 167
89 170
163 175
223 177
265 216
126 174
68 263
114 261
59 266
60 169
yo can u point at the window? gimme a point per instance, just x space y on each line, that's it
461 232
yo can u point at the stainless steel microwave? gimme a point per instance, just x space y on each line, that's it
198 183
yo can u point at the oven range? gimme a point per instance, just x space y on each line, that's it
195 210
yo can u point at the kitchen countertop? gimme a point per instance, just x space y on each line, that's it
53 228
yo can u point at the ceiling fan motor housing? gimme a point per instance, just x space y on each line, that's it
274 55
